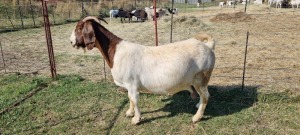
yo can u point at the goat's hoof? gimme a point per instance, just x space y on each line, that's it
135 120
129 113
196 119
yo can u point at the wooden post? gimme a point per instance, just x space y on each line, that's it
82 9
9 18
49 39
21 17
246 5
32 14
3 57
245 58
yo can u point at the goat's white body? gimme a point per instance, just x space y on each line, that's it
165 69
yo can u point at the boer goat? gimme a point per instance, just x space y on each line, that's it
166 69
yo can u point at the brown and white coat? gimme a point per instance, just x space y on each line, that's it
165 69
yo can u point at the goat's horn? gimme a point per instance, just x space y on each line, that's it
100 18
91 18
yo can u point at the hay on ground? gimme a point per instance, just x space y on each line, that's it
232 17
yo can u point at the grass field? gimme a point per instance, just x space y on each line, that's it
80 101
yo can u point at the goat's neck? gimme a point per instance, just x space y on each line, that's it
106 43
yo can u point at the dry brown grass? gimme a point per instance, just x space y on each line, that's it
233 17
272 63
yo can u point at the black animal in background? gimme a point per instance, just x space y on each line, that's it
124 14
140 14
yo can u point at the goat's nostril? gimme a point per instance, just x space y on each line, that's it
71 42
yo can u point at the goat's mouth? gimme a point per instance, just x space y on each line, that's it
77 46
90 46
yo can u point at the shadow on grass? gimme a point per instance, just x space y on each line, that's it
224 100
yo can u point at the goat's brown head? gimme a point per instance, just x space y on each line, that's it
84 36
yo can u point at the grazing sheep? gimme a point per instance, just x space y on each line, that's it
165 69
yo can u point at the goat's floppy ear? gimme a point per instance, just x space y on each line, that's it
88 35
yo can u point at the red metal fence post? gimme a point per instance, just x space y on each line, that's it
155 23
49 39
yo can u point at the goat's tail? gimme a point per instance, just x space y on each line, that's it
207 39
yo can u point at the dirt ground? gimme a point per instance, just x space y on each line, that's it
273 62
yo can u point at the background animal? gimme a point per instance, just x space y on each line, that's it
124 14
158 13
140 15
295 3
173 11
113 13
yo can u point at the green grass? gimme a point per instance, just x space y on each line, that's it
73 105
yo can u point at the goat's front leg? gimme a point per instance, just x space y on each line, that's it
130 111
134 97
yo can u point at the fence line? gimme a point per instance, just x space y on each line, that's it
65 12
253 34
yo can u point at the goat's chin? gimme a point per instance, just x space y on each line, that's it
80 47
90 46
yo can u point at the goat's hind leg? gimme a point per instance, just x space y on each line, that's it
200 84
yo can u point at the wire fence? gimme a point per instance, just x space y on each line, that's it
29 15
267 62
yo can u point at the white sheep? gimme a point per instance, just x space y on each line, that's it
165 69
295 3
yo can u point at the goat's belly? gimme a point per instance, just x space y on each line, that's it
166 90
